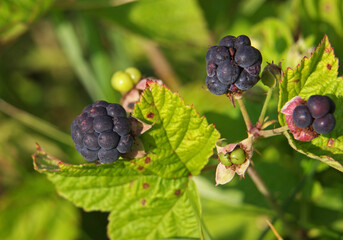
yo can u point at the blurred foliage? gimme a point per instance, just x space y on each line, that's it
58 56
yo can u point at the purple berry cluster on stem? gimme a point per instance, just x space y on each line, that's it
318 113
102 132
233 65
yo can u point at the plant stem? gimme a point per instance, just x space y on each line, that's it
205 232
71 46
261 186
35 123
209 168
160 63
300 185
273 132
264 108
244 114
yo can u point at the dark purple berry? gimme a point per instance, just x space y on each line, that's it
227 41
242 40
302 117
86 124
209 55
254 70
227 72
121 126
125 144
211 68
246 81
219 54
80 118
87 108
324 124
90 140
332 105
97 111
77 135
101 104
215 86
102 123
247 56
96 132
115 110
232 66
108 156
78 148
318 105
108 140
89 155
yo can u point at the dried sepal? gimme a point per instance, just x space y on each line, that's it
138 127
137 150
129 100
225 174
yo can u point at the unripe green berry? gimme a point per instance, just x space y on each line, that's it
134 73
121 81
271 75
237 156
225 159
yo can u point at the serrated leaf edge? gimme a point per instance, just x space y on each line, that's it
149 85
322 158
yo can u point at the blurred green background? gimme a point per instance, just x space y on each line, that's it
58 56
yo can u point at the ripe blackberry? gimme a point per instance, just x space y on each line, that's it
242 40
227 72
102 132
215 86
247 56
246 81
232 66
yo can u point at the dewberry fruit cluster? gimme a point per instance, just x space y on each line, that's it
318 113
102 132
233 65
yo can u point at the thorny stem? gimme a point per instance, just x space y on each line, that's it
273 132
264 108
261 186
244 114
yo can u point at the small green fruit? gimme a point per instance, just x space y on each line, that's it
237 156
224 159
121 81
134 73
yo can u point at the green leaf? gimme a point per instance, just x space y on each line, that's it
151 197
179 139
168 21
316 75
17 16
172 212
